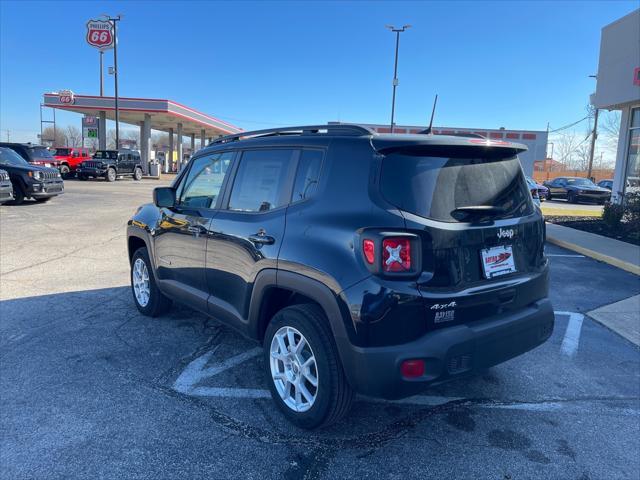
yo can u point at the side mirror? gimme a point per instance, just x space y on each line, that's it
164 197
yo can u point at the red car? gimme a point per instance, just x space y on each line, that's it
70 158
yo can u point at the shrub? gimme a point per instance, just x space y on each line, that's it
632 214
612 214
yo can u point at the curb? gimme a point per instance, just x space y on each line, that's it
629 267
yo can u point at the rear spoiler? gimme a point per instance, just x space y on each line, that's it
447 146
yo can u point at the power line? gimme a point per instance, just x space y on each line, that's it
570 125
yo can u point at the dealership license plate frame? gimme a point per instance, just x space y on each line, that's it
501 268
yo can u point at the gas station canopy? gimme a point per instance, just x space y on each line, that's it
163 115
147 114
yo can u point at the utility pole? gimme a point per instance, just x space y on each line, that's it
397 31
594 135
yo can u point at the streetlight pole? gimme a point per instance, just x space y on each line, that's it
115 21
397 31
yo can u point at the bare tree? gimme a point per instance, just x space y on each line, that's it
158 139
74 136
111 139
91 143
130 135
581 156
56 138
565 146
610 129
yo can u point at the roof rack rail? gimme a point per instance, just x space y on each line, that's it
342 129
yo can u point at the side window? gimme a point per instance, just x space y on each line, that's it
261 180
308 175
201 187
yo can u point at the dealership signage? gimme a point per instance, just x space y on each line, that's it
100 34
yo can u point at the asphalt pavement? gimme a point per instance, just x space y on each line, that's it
89 388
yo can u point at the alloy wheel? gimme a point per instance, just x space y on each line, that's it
141 285
294 370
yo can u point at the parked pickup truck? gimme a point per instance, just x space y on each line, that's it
70 158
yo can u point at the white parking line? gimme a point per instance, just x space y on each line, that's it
571 338
197 371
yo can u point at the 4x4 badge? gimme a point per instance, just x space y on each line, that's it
443 306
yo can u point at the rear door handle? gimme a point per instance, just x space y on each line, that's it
261 238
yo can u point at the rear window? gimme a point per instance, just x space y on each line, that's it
456 189
63 152
40 152
105 154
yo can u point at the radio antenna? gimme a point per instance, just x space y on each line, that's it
433 111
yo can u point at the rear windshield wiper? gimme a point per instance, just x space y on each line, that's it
477 211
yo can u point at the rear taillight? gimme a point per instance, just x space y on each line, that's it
369 250
396 254
534 192
391 254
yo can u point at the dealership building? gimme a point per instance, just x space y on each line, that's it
618 88
535 140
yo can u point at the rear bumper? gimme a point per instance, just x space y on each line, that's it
448 353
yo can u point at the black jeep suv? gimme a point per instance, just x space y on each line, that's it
34 154
111 164
377 264
29 180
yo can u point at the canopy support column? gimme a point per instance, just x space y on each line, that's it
179 149
169 162
145 143
102 131
202 139
193 144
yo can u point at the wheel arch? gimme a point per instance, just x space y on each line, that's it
276 289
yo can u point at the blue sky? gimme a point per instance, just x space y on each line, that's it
255 64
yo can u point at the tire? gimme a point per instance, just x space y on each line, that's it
157 303
18 196
333 394
64 171
111 175
571 197
137 174
43 199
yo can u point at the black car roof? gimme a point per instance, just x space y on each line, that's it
384 143
18 144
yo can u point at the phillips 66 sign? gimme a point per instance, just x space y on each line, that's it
100 34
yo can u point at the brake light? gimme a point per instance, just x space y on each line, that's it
396 254
412 368
534 192
368 247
